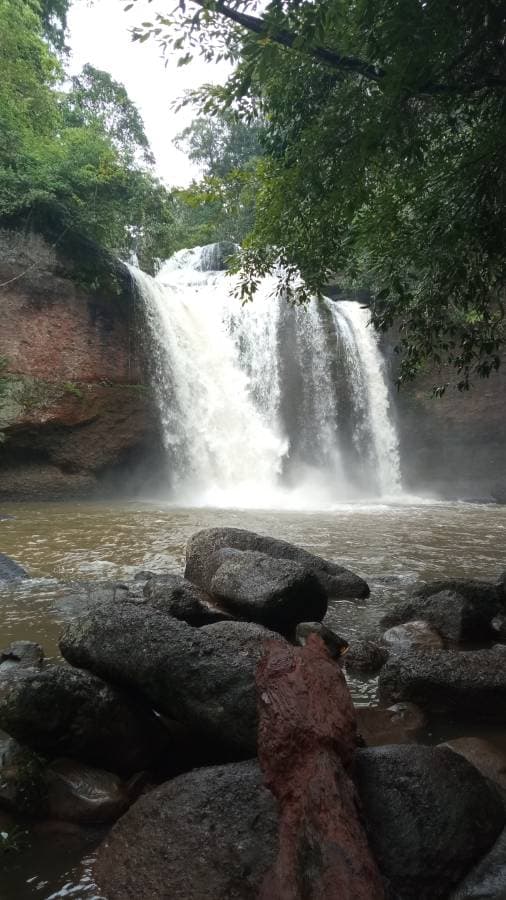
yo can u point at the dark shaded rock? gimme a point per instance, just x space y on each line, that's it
487 880
378 726
429 815
306 742
277 593
22 786
174 595
26 654
79 793
336 645
208 835
201 677
365 656
10 570
468 685
445 610
488 759
409 715
412 636
201 563
460 610
62 711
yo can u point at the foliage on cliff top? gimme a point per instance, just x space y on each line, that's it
221 205
385 136
74 159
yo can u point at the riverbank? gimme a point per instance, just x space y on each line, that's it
390 546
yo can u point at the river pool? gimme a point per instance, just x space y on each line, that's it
60 543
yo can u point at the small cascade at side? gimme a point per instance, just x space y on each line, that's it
266 404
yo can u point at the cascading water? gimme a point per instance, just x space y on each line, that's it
266 404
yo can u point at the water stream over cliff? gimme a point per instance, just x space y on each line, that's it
266 404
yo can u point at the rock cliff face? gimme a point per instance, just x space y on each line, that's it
454 446
75 412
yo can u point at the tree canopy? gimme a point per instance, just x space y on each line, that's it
384 141
74 158
221 206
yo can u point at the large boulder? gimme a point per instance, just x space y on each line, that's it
201 562
467 685
487 880
459 609
208 835
62 711
178 597
277 593
201 677
429 815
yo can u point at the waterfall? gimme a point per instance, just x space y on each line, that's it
265 404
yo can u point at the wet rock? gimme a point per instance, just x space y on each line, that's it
488 759
277 593
468 685
429 815
459 610
336 581
22 786
203 678
62 711
365 656
410 716
412 636
487 880
306 742
336 645
209 834
83 596
79 793
378 726
178 597
26 654
10 571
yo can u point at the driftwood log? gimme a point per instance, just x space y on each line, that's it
307 739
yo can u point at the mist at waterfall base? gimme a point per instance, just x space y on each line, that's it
266 404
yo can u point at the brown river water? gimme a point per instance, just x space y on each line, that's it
391 546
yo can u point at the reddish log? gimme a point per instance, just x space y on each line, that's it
307 738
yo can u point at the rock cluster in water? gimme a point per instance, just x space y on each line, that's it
209 715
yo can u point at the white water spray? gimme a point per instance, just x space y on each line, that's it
249 398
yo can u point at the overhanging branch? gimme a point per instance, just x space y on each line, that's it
335 60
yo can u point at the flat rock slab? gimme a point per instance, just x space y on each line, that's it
277 593
208 835
429 815
469 685
336 581
203 678
62 711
